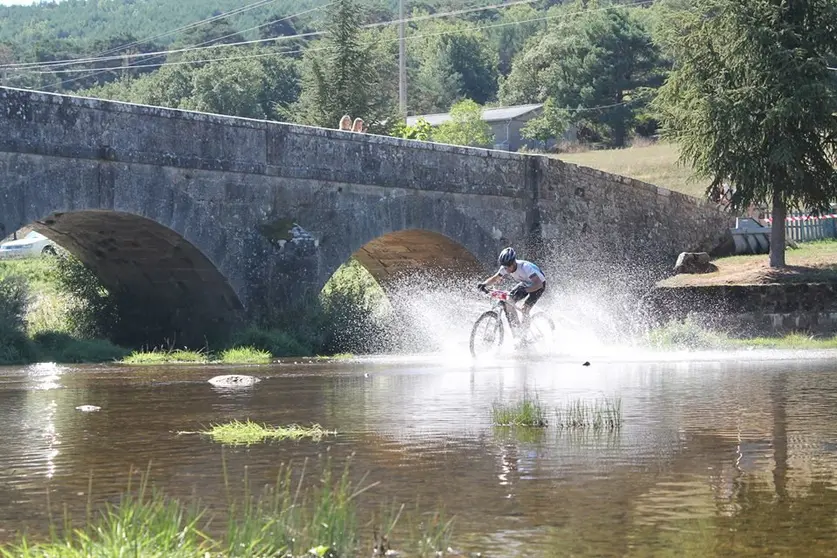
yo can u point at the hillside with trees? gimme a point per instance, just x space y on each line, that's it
747 88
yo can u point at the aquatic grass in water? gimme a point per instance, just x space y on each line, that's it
245 355
526 412
249 432
602 414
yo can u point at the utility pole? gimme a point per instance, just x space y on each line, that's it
402 62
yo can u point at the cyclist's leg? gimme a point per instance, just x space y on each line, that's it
530 301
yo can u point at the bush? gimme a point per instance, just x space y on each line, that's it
56 346
14 299
15 347
93 312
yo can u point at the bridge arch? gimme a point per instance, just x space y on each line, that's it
166 288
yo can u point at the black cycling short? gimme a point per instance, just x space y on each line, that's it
532 297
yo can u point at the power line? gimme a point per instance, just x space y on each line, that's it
284 52
248 7
259 3
73 61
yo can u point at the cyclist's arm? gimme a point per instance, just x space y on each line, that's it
496 278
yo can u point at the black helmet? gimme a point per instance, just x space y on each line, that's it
507 256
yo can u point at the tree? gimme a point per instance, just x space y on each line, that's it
454 61
594 61
341 74
552 123
250 84
516 26
753 103
465 127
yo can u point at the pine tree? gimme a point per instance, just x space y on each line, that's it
753 103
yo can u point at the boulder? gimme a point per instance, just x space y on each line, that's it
233 380
694 262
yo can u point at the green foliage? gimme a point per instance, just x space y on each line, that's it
455 61
686 334
14 299
509 39
592 64
163 356
14 345
256 83
276 342
601 414
525 412
465 127
421 130
551 124
752 102
245 355
93 312
353 313
55 346
249 432
343 74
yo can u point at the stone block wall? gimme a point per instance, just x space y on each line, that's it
751 309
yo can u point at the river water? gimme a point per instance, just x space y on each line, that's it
718 454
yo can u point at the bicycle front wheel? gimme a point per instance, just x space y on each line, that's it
487 334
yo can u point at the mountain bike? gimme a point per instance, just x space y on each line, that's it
488 331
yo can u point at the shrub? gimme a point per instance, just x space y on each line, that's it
57 346
93 311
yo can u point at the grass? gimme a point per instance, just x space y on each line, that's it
601 414
689 334
245 355
656 164
39 272
811 262
525 412
249 432
158 356
287 518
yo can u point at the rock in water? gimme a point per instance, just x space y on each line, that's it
87 408
233 380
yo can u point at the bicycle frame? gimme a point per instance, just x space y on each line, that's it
502 299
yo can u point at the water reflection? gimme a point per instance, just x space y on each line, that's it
714 457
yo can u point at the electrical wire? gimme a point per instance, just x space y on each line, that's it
287 37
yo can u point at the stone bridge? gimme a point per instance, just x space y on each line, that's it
199 220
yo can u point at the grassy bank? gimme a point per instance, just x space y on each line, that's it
810 262
689 334
285 519
54 309
656 164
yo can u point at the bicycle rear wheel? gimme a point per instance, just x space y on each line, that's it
541 332
487 334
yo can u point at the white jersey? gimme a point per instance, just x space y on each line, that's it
523 272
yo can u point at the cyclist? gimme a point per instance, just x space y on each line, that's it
531 282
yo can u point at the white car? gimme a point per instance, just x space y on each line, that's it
31 245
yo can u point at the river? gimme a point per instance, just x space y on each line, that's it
718 454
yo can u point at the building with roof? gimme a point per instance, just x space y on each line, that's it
506 124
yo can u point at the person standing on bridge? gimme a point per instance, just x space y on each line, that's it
531 282
346 123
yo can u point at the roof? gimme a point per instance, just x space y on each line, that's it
499 114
